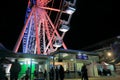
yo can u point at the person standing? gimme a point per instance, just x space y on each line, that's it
2 72
84 72
57 73
68 72
45 74
14 70
61 72
36 72
28 72
51 74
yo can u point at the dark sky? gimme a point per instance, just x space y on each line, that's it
92 22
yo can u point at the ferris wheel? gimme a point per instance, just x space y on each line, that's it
46 23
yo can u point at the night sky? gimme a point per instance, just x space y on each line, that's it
92 22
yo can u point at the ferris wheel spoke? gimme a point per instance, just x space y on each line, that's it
56 32
47 29
51 6
37 34
52 9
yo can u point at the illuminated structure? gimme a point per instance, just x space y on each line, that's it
44 27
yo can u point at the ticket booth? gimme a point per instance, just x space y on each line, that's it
72 61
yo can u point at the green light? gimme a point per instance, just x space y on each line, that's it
24 68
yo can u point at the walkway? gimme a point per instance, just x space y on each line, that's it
100 78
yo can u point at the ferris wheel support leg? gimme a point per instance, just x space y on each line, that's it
37 34
17 45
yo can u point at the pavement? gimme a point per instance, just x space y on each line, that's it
100 78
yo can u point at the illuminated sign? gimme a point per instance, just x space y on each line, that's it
82 56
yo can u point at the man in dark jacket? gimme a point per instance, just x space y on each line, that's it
15 69
61 72
2 72
84 72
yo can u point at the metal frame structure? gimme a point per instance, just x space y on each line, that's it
40 34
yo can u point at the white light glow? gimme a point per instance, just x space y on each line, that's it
109 54
71 59
64 28
70 10
64 55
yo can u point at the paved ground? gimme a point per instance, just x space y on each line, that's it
100 78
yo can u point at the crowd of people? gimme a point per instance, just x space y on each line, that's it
55 72
104 72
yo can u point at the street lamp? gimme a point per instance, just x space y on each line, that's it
109 54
